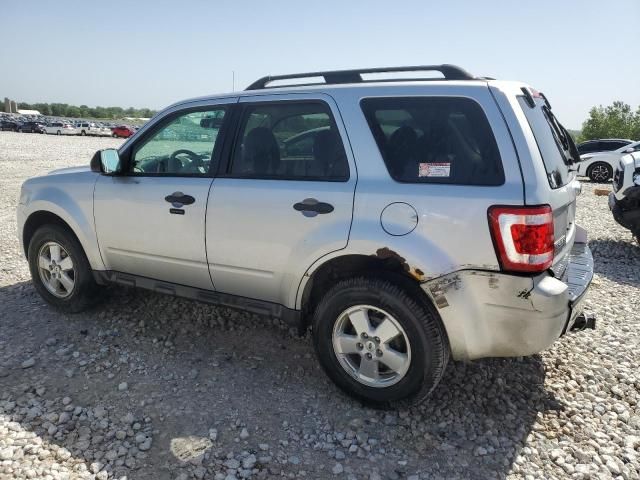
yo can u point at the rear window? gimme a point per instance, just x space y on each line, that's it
550 140
435 140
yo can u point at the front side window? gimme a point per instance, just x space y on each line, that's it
435 140
289 140
183 146
588 147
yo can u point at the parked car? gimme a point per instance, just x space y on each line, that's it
122 131
429 220
602 145
599 166
9 125
60 128
86 128
32 127
624 201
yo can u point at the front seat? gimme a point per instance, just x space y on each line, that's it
261 154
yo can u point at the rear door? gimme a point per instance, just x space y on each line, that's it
283 200
558 154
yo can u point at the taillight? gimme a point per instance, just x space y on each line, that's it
523 237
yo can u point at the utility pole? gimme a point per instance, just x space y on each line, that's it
233 80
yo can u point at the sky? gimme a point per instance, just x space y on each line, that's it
580 53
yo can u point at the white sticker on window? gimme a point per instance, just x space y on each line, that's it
434 170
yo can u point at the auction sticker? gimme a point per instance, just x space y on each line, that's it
434 169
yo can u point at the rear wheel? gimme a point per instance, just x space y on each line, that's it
600 172
378 342
58 132
60 270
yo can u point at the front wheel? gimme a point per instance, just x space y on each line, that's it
378 342
600 172
60 270
58 133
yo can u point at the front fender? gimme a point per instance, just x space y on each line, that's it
70 201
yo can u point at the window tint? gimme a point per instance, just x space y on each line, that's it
184 146
588 147
435 140
614 145
289 141
550 141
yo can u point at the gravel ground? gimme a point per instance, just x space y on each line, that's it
152 387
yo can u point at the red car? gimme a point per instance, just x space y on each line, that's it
122 131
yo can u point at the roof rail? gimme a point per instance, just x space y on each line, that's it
450 72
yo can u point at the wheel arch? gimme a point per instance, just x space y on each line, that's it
385 264
38 219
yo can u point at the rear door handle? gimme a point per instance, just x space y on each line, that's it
310 207
178 199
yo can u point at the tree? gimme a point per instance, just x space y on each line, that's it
614 121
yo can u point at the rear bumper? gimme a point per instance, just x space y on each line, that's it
492 314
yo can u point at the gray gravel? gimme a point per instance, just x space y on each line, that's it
152 387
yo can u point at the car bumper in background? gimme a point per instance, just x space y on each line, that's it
625 211
493 314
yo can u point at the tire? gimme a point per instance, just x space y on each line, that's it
600 172
58 133
85 291
83 133
426 353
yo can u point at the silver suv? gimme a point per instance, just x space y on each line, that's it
404 221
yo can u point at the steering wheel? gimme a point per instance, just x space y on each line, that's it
194 156
196 160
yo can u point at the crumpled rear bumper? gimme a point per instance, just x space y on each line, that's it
493 314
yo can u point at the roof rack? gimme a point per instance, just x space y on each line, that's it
450 72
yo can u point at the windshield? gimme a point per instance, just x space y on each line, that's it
556 146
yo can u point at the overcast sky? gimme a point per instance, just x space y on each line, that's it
151 53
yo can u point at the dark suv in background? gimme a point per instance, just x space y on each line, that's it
602 145
32 127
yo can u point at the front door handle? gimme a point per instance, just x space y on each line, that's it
178 199
310 207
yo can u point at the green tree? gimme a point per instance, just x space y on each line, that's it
614 121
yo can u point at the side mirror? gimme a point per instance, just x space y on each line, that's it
629 150
106 161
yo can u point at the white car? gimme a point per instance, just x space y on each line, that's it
90 128
59 128
599 166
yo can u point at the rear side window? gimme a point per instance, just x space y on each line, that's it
289 141
549 138
435 140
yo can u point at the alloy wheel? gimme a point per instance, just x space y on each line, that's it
600 173
56 269
371 346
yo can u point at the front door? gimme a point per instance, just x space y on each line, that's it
150 221
284 199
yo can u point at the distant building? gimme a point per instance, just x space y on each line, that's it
14 107
7 105
28 112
